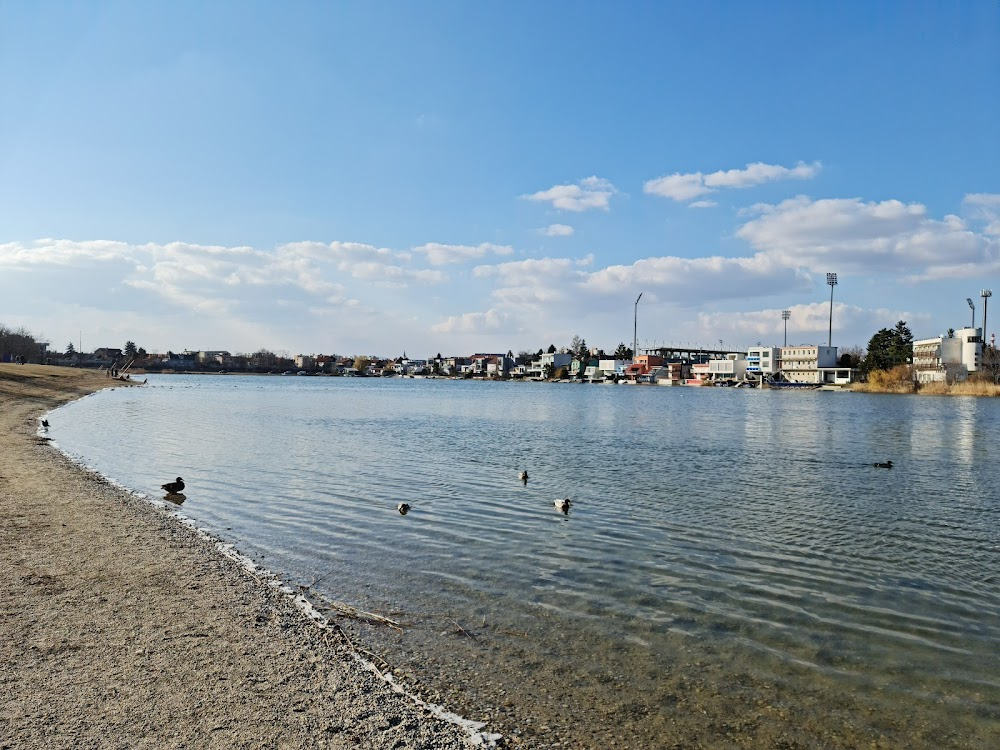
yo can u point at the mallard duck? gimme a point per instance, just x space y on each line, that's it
563 504
886 465
45 423
403 508
523 476
174 488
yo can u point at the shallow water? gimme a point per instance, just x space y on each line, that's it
733 570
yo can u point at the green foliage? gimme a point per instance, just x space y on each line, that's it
552 349
130 349
623 352
889 348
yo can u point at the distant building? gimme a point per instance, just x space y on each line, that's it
943 357
733 367
764 361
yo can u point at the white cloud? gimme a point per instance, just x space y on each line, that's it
679 187
703 204
985 207
51 252
491 321
759 173
557 230
439 255
589 193
685 186
693 280
851 235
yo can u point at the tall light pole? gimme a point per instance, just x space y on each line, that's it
972 306
985 294
635 329
831 279
785 315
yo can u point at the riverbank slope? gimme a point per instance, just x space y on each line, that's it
120 627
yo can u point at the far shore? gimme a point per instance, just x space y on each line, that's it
122 627
964 388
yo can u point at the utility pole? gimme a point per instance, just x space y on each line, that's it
786 314
831 279
635 329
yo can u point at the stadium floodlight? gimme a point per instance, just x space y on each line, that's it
831 279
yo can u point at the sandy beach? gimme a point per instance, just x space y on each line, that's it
120 627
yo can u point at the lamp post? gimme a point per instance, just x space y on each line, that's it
831 279
985 294
785 315
972 306
635 329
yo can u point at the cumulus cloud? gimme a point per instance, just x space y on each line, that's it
556 230
491 321
808 323
691 280
439 255
66 253
985 207
860 236
589 193
759 173
685 186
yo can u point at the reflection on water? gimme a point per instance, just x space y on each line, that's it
732 571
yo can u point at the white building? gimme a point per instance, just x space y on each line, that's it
733 367
943 356
807 363
555 359
762 361
612 367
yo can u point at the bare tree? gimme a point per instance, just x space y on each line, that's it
991 362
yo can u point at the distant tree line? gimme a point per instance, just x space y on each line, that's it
19 342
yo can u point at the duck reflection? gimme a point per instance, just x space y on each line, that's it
177 498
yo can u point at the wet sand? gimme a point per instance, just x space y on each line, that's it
120 627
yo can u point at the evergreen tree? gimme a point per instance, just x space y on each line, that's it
888 348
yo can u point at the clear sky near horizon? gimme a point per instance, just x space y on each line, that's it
458 177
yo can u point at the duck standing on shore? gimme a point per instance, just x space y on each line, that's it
173 488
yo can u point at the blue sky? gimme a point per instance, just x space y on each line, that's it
360 177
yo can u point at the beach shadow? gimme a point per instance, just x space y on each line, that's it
177 498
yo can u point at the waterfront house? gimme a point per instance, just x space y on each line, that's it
613 367
555 361
733 367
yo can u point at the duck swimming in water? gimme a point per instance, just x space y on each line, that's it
173 488
523 476
403 508
563 504
886 465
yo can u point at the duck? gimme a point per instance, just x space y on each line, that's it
886 465
45 423
403 508
173 488
562 504
523 476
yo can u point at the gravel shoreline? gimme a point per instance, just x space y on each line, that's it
122 627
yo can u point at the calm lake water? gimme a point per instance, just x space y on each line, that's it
733 571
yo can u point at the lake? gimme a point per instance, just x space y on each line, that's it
733 570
